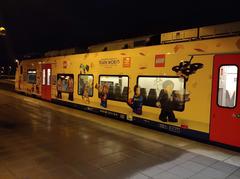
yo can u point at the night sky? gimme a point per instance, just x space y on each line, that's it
42 25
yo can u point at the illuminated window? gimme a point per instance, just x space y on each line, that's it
85 82
117 87
227 86
43 77
31 76
48 76
152 89
65 83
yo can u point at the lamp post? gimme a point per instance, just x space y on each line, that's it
2 33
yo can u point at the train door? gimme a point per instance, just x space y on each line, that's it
46 81
225 112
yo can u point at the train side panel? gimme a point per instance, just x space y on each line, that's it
153 65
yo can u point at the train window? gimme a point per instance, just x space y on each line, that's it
85 82
65 83
152 89
227 86
48 76
118 86
31 76
43 77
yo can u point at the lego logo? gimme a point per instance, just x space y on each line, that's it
160 60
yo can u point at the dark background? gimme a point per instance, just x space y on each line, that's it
42 25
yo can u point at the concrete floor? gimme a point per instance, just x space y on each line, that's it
43 140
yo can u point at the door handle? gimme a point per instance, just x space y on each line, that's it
236 115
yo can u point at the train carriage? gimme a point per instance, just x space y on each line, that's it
190 88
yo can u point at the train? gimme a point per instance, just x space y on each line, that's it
187 85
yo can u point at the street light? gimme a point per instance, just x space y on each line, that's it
17 61
2 31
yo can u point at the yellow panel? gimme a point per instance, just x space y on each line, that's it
197 111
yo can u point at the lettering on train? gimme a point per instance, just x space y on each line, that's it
109 62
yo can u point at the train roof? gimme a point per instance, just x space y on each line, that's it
199 33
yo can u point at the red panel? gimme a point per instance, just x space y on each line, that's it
160 60
46 88
225 126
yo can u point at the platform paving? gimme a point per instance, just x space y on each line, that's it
46 141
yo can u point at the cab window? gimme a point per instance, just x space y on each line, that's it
31 76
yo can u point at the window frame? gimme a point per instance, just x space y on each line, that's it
227 107
32 73
92 82
162 76
59 74
112 99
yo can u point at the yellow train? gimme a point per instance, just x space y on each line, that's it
187 85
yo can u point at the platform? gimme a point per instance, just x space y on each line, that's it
39 139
